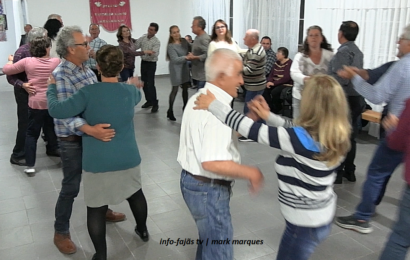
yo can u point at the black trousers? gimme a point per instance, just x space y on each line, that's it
148 77
21 97
355 106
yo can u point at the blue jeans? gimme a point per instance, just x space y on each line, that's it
209 206
71 157
399 240
248 97
39 119
200 84
300 242
384 162
126 73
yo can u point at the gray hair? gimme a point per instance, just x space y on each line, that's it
253 33
220 61
54 16
406 32
36 32
201 22
65 39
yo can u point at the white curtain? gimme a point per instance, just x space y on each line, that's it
211 10
278 19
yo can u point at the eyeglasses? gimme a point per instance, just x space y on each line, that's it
220 27
85 44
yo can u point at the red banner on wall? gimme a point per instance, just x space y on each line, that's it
110 14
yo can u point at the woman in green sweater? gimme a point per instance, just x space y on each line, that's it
111 171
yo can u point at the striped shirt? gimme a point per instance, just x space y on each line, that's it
95 44
254 68
69 79
149 44
393 87
305 184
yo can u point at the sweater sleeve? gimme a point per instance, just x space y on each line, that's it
127 50
211 48
258 132
11 69
295 71
70 107
398 139
173 55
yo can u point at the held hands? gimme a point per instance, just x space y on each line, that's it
148 52
203 101
390 122
190 56
259 108
348 72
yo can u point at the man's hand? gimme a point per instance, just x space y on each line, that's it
390 122
91 54
348 72
203 101
256 180
149 52
30 89
269 84
99 131
259 106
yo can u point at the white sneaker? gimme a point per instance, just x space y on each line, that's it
30 170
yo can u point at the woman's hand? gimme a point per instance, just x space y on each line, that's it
10 58
203 101
259 106
136 82
390 122
269 84
51 80
148 52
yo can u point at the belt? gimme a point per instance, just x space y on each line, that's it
71 138
208 180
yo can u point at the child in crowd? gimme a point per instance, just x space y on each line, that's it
312 149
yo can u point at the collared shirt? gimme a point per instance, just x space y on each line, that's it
17 80
149 44
347 54
270 60
393 87
254 68
95 44
69 79
204 138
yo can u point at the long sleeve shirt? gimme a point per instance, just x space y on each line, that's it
254 62
306 195
69 79
348 54
280 74
149 44
393 87
38 71
17 80
129 50
95 45
200 49
399 139
270 61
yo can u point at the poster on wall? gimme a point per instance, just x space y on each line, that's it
110 14
3 28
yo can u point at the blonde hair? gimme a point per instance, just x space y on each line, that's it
324 113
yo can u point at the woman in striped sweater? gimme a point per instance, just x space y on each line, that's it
311 151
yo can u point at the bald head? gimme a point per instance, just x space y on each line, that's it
251 38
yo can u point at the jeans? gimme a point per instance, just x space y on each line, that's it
200 84
126 73
21 97
148 76
248 97
37 119
399 240
209 206
71 157
384 162
300 242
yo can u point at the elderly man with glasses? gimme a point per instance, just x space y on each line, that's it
71 75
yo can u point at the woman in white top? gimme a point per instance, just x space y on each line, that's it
221 38
313 59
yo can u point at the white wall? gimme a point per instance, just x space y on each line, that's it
12 10
77 12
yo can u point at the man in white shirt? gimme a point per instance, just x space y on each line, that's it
210 159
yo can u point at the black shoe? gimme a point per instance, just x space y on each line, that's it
154 109
143 235
350 176
170 115
350 222
53 153
244 139
339 177
94 257
147 105
19 162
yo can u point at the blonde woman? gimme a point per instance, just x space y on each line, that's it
311 151
221 38
177 50
314 59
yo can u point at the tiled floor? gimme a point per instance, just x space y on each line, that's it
27 204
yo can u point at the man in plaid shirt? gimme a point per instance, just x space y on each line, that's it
266 42
95 45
